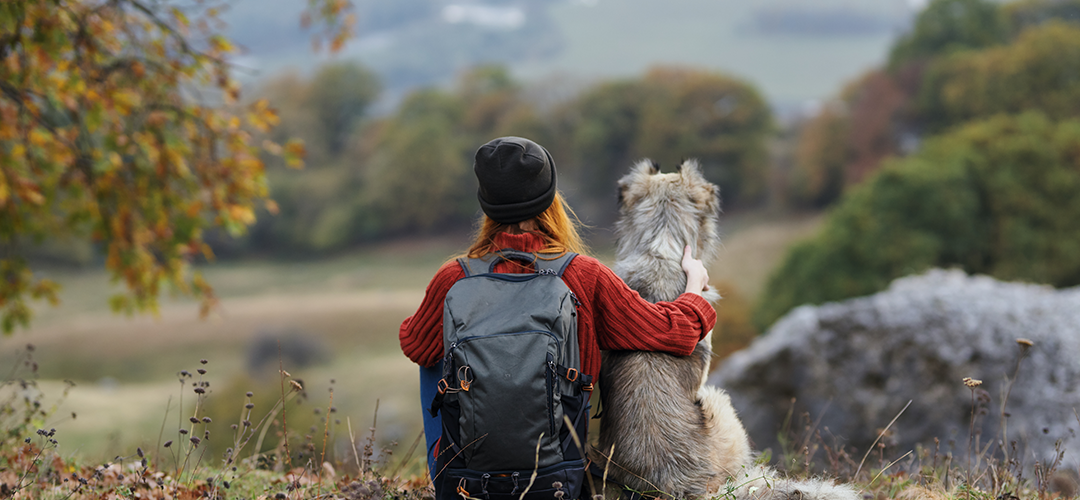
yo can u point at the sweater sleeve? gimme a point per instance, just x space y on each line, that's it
421 334
625 321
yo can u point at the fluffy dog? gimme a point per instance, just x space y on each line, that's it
662 430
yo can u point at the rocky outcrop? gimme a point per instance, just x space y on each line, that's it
855 364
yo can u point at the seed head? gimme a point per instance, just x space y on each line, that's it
203 361
202 371
233 427
1024 342
972 383
183 431
138 451
249 394
200 390
194 420
249 406
168 443
206 420
195 440
296 385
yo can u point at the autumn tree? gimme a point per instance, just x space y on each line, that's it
120 123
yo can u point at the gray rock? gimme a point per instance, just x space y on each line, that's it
855 364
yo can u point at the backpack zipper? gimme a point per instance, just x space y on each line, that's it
551 392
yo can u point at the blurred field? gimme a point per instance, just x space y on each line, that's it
347 308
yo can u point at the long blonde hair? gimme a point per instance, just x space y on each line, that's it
558 226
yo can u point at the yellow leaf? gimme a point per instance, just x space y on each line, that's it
39 137
5 191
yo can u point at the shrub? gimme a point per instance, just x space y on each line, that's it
1039 70
997 197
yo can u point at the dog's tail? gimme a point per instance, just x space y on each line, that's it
731 453
730 447
759 482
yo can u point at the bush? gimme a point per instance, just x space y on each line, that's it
997 197
1037 71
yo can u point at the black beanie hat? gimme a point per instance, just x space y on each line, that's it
517 179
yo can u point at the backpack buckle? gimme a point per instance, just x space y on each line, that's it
571 374
443 386
587 388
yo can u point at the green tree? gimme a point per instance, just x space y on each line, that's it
947 26
119 123
339 96
721 121
668 115
998 197
603 124
1040 70
418 176
1024 14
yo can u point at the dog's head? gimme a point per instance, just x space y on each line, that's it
680 208
659 215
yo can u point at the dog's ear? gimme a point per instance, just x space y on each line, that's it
644 167
691 171
639 174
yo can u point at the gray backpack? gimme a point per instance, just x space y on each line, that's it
511 372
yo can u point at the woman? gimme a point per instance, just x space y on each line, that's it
524 211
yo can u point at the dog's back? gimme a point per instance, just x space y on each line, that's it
663 429
664 432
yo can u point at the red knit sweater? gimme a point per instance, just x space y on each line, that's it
611 315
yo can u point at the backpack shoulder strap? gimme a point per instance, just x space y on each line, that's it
557 264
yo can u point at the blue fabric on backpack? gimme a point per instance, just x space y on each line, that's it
429 386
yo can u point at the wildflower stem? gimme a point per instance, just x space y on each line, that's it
880 435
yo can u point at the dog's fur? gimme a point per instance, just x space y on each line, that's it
662 429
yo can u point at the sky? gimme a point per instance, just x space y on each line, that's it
798 52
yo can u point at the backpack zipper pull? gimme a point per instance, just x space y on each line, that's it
575 300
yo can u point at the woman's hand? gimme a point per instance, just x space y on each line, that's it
697 277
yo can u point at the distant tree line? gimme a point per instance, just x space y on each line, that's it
410 171
977 109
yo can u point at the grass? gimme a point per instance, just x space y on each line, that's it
331 460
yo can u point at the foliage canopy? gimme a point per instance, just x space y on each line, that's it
996 196
120 123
